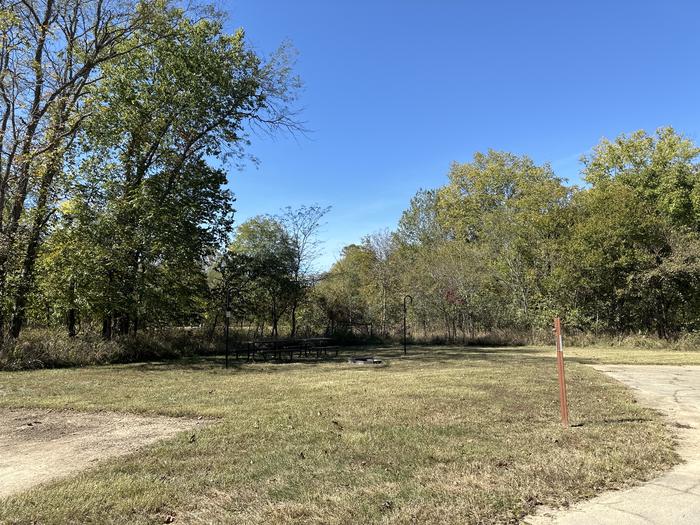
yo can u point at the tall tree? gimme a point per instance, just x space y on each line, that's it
161 112
50 55
264 252
663 169
302 226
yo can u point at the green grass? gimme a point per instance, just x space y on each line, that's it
447 435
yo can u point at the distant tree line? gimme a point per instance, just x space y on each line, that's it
506 244
119 117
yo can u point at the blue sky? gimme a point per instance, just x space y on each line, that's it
394 91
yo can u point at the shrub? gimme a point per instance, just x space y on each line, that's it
46 348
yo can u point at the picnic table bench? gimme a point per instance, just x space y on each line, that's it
278 348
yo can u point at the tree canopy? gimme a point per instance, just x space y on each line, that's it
117 120
506 244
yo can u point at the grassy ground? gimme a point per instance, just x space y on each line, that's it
447 435
620 355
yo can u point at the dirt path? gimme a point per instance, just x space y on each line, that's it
673 498
41 445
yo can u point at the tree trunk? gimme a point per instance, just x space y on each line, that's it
26 280
41 216
71 321
383 310
24 172
294 318
71 318
123 324
661 317
274 325
213 327
107 327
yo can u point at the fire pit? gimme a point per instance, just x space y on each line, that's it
365 361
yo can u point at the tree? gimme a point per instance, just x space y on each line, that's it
263 255
614 237
380 245
50 55
509 206
631 228
161 113
663 170
420 223
344 292
302 226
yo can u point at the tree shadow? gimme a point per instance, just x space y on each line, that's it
612 421
418 355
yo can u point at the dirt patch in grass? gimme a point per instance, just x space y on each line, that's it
40 445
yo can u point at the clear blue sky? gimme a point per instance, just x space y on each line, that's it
397 90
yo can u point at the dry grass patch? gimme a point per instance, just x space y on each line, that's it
447 435
608 355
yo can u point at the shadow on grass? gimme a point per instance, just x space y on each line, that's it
391 354
612 421
584 360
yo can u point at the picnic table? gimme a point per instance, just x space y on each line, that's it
280 348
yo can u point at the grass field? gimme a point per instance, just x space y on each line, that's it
593 355
446 435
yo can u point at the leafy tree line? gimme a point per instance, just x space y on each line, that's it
116 118
506 244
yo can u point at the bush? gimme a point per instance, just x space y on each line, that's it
46 348
688 342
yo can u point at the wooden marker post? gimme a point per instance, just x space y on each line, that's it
563 402
227 321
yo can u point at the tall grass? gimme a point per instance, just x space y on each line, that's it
689 341
48 348
51 348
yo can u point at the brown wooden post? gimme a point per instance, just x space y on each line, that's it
563 402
